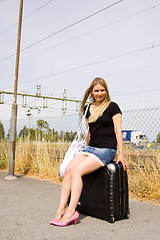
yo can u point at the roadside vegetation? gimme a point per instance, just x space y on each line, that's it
42 160
144 174
39 154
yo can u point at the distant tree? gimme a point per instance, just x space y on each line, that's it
32 134
55 137
61 136
72 135
66 136
2 132
158 138
43 131
27 133
43 126
23 133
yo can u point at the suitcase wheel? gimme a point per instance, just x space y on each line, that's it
111 219
127 216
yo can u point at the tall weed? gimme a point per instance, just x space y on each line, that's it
43 159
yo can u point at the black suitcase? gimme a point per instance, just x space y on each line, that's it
105 193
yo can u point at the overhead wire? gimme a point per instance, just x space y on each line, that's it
30 14
38 9
29 104
51 108
104 59
76 68
97 62
71 25
63 29
137 92
93 63
134 14
107 59
89 32
139 12
122 19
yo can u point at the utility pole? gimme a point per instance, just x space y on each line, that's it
13 121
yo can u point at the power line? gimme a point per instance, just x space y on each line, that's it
71 25
107 59
49 108
38 9
112 74
97 62
106 25
63 29
7 29
84 34
138 92
93 30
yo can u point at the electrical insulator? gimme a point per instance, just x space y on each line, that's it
29 113
2 98
64 102
39 110
38 90
44 102
24 101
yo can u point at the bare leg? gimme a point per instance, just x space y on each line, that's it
66 186
87 165
65 191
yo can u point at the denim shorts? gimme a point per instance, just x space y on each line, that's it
103 155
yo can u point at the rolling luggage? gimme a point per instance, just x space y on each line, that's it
105 193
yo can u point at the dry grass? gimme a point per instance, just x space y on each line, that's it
42 159
4 154
144 175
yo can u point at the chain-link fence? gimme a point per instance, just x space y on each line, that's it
145 121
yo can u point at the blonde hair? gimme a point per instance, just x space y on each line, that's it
102 106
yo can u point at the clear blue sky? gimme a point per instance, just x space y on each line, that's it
120 44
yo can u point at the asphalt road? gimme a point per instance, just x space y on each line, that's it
27 206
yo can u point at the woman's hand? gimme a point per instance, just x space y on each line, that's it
117 120
122 160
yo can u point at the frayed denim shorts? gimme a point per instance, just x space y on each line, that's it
103 155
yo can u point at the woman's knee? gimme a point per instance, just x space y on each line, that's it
68 171
72 171
75 172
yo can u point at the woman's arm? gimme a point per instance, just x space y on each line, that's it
117 121
88 133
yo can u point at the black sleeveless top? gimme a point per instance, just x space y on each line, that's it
102 133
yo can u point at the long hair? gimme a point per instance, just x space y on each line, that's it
102 106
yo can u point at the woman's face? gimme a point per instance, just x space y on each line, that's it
99 93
